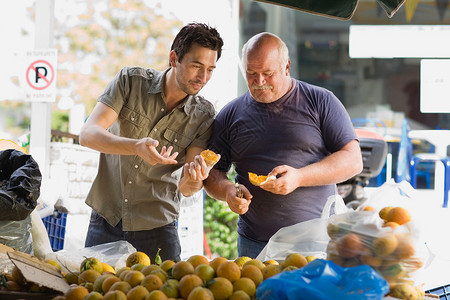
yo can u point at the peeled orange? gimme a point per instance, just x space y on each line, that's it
259 179
210 157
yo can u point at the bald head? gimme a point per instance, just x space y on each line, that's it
265 59
265 40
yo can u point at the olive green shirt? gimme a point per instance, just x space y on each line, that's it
128 188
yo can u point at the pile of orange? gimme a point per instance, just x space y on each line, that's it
388 248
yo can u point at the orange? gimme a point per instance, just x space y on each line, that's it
170 288
271 270
349 245
254 273
152 282
200 293
76 293
122 286
271 262
393 225
93 296
221 288
368 208
134 277
99 281
255 262
383 213
148 269
294 259
217 261
383 246
167 264
91 263
196 260
188 283
210 157
229 270
245 284
138 257
405 248
115 295
398 215
239 295
108 282
205 272
108 268
182 268
259 179
156 295
138 292
240 261
88 276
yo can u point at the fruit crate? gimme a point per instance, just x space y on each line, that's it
443 292
56 229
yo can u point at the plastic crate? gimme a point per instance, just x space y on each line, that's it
443 292
56 229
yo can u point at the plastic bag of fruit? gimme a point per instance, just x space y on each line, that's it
385 239
308 238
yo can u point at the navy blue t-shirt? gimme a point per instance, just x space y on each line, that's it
302 127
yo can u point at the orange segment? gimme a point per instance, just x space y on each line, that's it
259 179
210 157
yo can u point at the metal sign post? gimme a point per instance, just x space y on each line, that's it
39 76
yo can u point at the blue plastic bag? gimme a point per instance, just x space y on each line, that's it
324 280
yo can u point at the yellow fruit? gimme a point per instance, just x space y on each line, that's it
170 288
245 284
108 268
122 274
196 260
349 245
254 273
182 268
161 274
122 286
383 246
239 295
167 264
310 258
94 296
217 261
405 248
88 276
91 263
240 261
138 267
138 257
229 270
148 269
200 293
134 277
383 213
294 259
368 208
403 291
108 282
53 263
398 215
115 295
99 281
210 157
152 282
137 293
271 262
156 295
188 283
121 270
72 277
205 272
271 270
76 293
221 288
255 262
12 286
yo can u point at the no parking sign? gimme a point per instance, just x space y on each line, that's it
40 75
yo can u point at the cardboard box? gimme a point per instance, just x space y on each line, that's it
36 271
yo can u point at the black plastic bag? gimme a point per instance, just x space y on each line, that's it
20 183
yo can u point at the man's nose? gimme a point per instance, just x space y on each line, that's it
260 79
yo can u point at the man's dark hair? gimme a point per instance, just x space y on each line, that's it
199 33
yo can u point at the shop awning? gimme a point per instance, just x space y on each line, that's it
338 9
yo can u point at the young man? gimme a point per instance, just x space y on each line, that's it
284 127
150 127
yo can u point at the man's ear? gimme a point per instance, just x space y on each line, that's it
288 67
173 58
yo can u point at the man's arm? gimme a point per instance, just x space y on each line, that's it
219 187
337 167
94 135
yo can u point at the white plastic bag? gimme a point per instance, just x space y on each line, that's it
307 238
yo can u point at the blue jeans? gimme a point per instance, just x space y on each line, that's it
147 241
250 248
